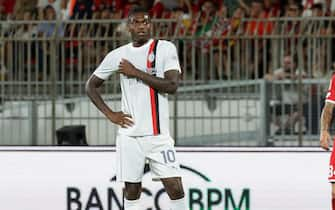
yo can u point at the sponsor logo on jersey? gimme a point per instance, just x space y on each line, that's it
151 57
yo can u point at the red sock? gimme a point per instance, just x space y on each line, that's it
333 203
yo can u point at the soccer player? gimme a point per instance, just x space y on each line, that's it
326 117
149 70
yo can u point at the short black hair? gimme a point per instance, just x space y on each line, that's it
258 2
137 9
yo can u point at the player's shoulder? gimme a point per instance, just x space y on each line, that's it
118 51
166 43
121 48
166 46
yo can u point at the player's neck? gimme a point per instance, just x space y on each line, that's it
139 43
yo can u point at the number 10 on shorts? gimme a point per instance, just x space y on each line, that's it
168 156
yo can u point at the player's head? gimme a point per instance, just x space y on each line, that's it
139 24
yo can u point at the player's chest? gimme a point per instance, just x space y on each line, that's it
138 59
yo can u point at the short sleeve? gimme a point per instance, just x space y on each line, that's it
171 61
331 91
107 66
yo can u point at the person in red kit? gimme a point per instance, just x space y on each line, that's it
326 117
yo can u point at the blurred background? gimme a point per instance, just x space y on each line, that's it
255 73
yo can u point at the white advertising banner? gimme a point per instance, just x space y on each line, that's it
66 178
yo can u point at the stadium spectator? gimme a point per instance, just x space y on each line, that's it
24 5
293 10
236 19
235 24
49 29
27 50
157 9
292 26
328 8
271 8
56 4
267 8
171 5
82 9
7 7
221 27
202 28
319 27
317 10
27 30
129 6
113 5
205 20
308 4
104 29
283 105
256 27
245 5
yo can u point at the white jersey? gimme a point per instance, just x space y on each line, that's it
148 108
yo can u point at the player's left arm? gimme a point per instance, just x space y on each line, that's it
168 84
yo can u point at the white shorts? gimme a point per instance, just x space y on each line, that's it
133 153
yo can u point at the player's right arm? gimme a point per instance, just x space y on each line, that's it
108 66
326 118
93 85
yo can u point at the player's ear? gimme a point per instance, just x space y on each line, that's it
130 21
129 25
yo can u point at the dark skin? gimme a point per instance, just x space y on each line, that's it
326 117
139 26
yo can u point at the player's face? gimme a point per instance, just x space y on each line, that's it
139 26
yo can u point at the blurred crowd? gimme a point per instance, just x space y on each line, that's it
208 21
216 39
116 9
199 18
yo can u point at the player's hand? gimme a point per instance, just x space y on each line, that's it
126 68
120 118
324 140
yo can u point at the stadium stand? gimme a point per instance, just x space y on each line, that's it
254 72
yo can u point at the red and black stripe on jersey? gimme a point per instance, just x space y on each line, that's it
151 64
